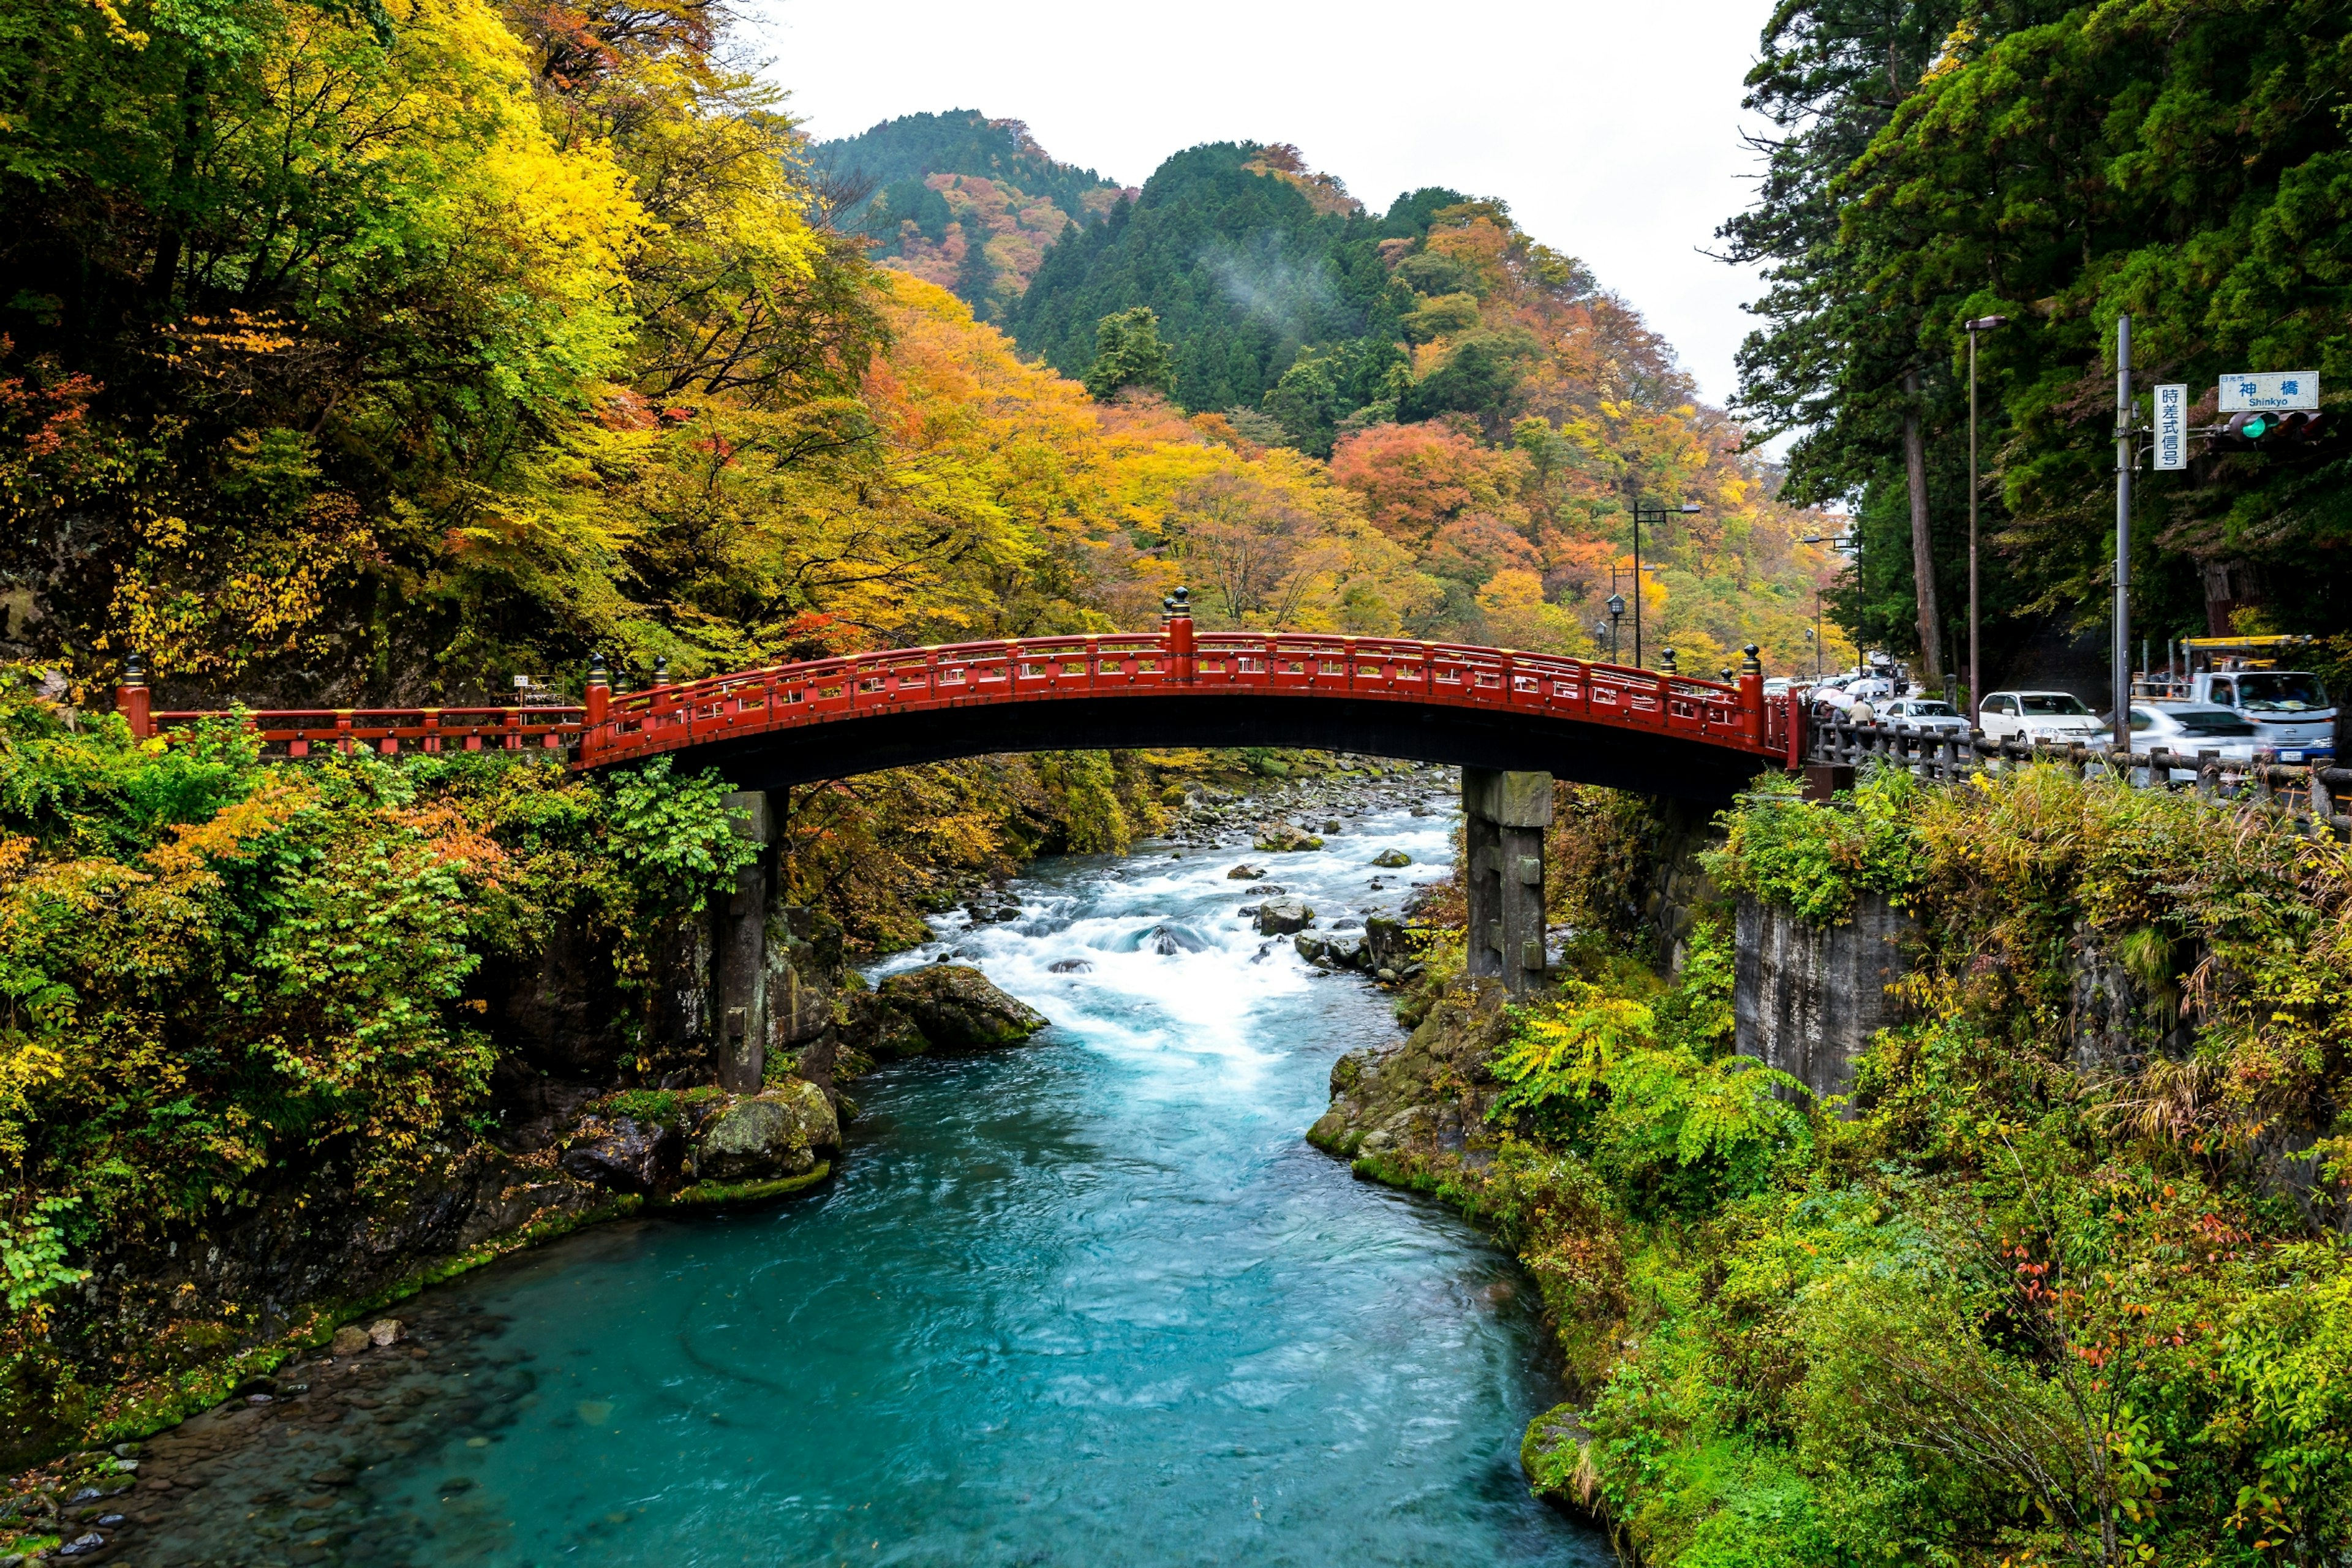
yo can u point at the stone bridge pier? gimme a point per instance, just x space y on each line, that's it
1503 816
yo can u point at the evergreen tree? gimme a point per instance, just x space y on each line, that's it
1128 354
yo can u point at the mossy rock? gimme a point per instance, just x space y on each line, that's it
956 1008
779 1133
1389 859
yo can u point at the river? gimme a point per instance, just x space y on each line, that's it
1092 1302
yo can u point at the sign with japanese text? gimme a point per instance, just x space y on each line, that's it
2172 426
2244 391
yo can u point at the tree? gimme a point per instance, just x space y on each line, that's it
1128 354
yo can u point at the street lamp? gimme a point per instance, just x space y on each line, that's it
1974 326
1655 514
1616 608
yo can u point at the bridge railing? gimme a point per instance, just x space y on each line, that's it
609 728
293 734
1173 661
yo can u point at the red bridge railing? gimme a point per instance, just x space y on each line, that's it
1175 661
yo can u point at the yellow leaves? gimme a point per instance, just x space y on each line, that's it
229 833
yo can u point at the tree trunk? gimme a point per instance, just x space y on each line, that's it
1923 545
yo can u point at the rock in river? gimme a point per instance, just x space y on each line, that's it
779 1131
958 1010
1280 917
1283 838
622 1153
1244 874
1392 859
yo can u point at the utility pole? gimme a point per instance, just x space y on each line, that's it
1981 324
2122 652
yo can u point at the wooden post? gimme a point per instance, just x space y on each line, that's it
1751 696
1180 635
131 698
599 697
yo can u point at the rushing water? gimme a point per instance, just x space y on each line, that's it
1088 1302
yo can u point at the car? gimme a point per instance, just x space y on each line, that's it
2030 716
1777 685
2189 729
1930 713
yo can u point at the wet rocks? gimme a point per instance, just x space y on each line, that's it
1168 941
1243 873
1389 946
1392 859
383 1332
349 1340
1285 838
956 1008
625 1154
782 1130
1280 917
1070 966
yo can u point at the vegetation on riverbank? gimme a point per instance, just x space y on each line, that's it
2059 1284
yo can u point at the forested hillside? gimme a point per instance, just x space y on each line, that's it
960 200
1496 410
2182 161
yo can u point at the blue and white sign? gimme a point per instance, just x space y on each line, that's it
2172 426
2245 392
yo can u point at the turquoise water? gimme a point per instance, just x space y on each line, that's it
1093 1302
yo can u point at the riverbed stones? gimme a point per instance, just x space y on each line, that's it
349 1340
1285 838
1281 917
1392 859
1243 873
957 1009
383 1332
782 1130
624 1154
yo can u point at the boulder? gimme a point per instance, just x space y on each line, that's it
1310 948
1280 917
1244 874
1392 859
782 1130
625 1154
957 1009
1070 966
1283 838
1387 943
1347 951
383 1332
872 1026
349 1340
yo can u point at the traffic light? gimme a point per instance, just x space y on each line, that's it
2264 429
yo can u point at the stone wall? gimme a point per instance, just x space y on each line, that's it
1807 998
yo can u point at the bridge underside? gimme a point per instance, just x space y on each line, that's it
1587 753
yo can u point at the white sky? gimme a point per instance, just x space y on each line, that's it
1613 129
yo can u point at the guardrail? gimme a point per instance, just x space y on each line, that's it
2307 793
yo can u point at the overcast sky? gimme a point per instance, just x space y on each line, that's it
1613 129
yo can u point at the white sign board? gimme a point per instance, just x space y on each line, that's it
2172 426
2245 392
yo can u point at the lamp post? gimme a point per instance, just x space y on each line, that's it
1655 514
1974 326
1616 608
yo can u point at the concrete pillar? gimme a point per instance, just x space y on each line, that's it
1503 816
738 954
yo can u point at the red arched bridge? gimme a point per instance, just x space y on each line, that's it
1654 730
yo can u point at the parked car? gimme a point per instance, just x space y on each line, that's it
2030 716
1930 713
2189 730
1778 685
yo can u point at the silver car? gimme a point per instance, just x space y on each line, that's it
2190 730
1932 714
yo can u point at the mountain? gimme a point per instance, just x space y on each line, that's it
927 186
1246 258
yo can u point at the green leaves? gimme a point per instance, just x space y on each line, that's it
1813 858
676 835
